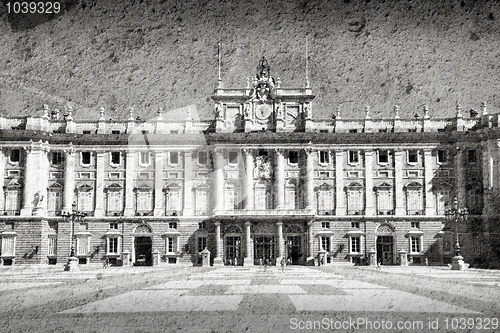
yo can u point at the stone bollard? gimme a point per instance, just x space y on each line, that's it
126 258
403 260
156 258
372 255
205 258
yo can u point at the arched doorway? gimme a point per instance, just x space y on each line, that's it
143 246
232 243
293 244
385 244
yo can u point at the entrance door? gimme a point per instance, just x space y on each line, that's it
143 251
385 247
263 247
233 251
293 249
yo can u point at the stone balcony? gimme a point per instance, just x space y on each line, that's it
266 212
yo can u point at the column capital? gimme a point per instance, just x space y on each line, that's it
247 151
369 151
218 151
279 224
338 151
217 224
70 151
309 151
427 151
247 224
279 151
398 151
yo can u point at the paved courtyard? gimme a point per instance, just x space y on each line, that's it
241 299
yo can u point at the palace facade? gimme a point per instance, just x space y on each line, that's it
262 180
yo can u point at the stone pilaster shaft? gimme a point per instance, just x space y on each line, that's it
398 182
339 183
280 179
249 165
69 180
309 179
188 184
429 208
370 207
158 187
129 183
219 179
100 200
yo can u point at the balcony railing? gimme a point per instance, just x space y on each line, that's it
248 212
144 213
355 212
326 212
414 212
11 212
114 213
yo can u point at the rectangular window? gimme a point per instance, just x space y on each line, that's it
324 157
113 245
82 245
115 202
290 198
415 244
170 244
355 244
412 156
413 174
324 174
354 202
173 202
383 156
86 175
85 201
353 156
144 201
384 174
15 155
355 225
233 157
384 202
115 132
13 173
54 202
202 243
442 156
143 175
52 250
172 225
174 157
262 199
415 225
293 157
113 225
353 174
325 202
144 158
414 202
202 157
115 157
353 130
85 157
86 132
57 158
471 156
8 246
325 225
443 200
325 243
201 202
12 201
230 199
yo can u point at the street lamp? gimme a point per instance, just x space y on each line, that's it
457 215
72 216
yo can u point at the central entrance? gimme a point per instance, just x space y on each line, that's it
385 245
143 251
263 247
233 251
293 249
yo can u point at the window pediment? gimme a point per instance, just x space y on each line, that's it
114 188
143 188
56 187
84 188
13 185
172 187
323 187
413 186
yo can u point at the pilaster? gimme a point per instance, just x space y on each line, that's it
280 178
99 185
188 183
428 192
309 178
339 183
219 179
398 182
370 208
158 187
249 165
459 175
36 178
69 179
129 184
248 261
2 177
217 259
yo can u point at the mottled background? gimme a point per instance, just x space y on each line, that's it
150 54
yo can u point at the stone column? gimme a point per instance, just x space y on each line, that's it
249 164
280 242
31 171
188 184
219 180
99 186
339 183
309 178
310 247
69 179
2 177
218 260
158 187
248 261
129 184
428 175
280 178
398 182
370 207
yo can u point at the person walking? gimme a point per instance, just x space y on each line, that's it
266 261
283 264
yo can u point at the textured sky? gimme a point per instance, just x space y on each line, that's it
152 54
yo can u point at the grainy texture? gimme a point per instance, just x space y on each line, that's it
152 54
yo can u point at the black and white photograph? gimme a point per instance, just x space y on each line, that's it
250 166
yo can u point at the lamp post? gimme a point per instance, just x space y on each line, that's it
457 215
72 216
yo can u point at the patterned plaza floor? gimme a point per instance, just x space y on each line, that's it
246 290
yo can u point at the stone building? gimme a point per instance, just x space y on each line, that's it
261 180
